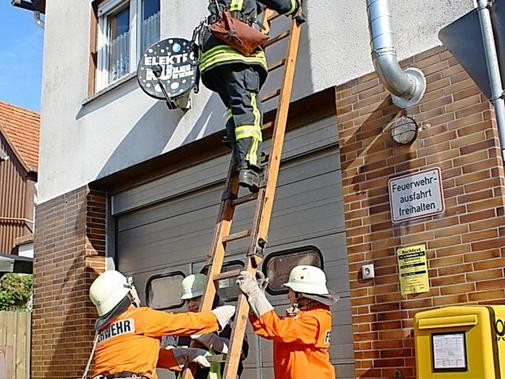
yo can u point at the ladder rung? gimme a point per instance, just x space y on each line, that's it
267 125
276 65
228 274
245 199
274 16
277 38
271 95
236 236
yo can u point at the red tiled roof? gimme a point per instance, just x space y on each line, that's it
21 127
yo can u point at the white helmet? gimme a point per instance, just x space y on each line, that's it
108 290
193 286
307 279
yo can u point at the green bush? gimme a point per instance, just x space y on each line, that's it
15 292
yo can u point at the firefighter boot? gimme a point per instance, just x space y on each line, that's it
250 177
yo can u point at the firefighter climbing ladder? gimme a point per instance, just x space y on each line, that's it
264 198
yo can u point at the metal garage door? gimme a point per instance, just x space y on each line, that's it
165 227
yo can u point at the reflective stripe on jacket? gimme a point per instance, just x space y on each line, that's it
215 52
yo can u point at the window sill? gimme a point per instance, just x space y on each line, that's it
110 88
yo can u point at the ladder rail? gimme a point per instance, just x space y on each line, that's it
263 210
217 253
265 202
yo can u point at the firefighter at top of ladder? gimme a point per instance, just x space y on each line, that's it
193 289
302 338
238 79
128 337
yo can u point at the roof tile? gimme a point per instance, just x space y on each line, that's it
21 127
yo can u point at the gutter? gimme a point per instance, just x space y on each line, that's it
406 87
493 68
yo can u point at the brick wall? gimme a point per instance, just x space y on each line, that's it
466 250
69 252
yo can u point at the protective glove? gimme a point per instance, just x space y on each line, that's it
185 355
255 296
224 314
213 341
247 284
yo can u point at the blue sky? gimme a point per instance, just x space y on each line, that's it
21 45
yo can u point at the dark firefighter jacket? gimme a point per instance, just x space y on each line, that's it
216 53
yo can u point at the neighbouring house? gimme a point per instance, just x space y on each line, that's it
19 153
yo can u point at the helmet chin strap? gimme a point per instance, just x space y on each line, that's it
134 296
293 310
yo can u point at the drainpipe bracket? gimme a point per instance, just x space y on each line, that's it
483 4
415 75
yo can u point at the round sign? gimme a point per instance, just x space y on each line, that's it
173 60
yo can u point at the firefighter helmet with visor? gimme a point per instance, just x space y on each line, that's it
193 286
307 279
107 291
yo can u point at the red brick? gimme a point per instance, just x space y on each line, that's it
487 295
80 244
490 284
451 299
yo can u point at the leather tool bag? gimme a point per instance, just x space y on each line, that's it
237 34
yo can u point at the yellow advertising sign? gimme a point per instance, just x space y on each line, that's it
413 269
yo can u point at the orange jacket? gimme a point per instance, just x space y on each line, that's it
132 341
300 343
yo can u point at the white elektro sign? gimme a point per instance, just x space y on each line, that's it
416 195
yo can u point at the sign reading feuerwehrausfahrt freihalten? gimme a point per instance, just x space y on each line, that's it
416 195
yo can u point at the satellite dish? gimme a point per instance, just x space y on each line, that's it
168 70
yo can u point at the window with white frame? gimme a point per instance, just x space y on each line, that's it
278 265
125 29
157 295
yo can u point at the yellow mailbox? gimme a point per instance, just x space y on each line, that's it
461 342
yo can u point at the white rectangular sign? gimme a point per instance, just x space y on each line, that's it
449 351
416 195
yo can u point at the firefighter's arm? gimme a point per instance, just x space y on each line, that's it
212 341
304 329
257 327
177 358
167 360
286 7
158 323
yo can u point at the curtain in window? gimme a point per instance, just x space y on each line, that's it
150 29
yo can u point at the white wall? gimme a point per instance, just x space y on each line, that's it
123 127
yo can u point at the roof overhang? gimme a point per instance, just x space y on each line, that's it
15 264
34 5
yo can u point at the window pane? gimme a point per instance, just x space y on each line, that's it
150 30
119 44
164 292
279 265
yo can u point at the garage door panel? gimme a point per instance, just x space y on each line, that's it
297 142
198 176
186 204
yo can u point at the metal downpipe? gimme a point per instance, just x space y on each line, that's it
493 69
407 87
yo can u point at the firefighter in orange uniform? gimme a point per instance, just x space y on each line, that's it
302 338
128 336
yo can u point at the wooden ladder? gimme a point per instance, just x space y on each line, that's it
264 198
